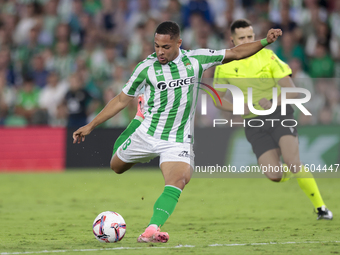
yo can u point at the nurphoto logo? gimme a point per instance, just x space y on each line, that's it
239 105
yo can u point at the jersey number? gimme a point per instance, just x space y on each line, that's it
126 144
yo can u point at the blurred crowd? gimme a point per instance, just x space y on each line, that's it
61 61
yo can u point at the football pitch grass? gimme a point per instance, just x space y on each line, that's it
52 213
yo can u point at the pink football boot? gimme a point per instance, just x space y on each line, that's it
153 235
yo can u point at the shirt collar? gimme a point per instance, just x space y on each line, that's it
179 57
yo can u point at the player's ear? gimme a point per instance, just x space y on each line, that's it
179 43
232 40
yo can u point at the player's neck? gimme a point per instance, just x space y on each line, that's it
177 54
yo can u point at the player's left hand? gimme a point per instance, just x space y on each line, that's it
265 103
79 135
273 34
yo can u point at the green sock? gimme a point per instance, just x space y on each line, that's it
307 183
165 205
134 124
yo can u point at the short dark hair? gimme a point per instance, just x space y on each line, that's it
239 23
168 28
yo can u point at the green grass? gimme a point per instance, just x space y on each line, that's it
55 211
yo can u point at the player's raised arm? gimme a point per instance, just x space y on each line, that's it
111 109
247 49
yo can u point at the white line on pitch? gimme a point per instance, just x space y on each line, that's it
161 247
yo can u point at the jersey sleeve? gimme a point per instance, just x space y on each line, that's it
208 58
137 80
279 68
220 77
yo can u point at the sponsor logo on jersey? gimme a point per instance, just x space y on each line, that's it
158 72
175 83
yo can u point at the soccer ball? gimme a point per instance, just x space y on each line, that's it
109 227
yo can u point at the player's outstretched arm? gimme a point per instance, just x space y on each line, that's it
247 49
111 109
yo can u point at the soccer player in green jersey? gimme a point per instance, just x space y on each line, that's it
271 141
170 78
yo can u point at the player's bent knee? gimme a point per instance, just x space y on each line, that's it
121 167
116 169
274 176
274 179
118 166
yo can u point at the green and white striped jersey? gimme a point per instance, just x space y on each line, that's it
171 92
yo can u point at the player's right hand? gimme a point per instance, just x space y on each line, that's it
265 103
79 135
273 34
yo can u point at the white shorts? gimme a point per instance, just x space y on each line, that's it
141 148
